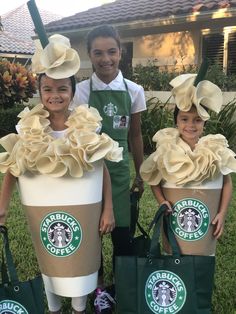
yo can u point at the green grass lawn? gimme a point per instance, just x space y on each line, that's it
224 298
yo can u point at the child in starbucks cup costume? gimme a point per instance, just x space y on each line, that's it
57 160
190 172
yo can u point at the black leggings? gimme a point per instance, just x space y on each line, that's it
120 237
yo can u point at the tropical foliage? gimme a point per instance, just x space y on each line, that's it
17 84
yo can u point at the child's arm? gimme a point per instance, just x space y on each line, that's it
157 191
226 195
136 146
107 220
6 192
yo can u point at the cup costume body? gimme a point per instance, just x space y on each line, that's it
191 180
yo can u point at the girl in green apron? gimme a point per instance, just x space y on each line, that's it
119 102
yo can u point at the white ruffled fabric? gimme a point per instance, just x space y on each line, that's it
175 162
205 94
34 149
57 60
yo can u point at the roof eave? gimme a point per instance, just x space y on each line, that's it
226 17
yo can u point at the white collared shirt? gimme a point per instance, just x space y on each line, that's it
138 102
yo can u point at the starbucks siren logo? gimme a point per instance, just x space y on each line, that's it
12 307
61 234
190 219
110 109
165 292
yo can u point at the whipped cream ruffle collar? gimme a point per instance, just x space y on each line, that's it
34 149
175 162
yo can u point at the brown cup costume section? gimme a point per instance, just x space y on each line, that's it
65 236
193 211
191 180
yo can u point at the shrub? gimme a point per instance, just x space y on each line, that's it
9 119
224 123
156 117
153 77
17 84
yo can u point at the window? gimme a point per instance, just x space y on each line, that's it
232 54
220 48
126 58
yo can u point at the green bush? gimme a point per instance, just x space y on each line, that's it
153 77
156 117
9 119
224 123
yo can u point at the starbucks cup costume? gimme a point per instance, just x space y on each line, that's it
115 108
60 179
60 183
191 180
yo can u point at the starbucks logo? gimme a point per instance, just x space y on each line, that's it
61 234
165 292
12 307
190 219
110 109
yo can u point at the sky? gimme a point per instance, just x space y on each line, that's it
61 7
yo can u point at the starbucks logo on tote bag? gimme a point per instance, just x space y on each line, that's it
165 292
12 307
61 234
190 219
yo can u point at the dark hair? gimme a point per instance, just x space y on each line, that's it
72 79
176 111
102 31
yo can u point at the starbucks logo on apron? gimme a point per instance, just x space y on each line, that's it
190 219
110 110
60 233
12 307
165 292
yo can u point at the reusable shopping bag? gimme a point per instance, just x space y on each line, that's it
24 297
160 283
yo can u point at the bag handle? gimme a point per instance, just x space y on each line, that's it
4 274
155 240
134 203
9 264
156 226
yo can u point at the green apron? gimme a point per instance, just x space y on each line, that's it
114 107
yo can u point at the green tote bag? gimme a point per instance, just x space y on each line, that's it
159 283
17 297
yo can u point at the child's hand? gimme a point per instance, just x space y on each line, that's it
168 204
218 222
107 221
138 185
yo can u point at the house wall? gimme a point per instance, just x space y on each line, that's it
85 64
169 49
